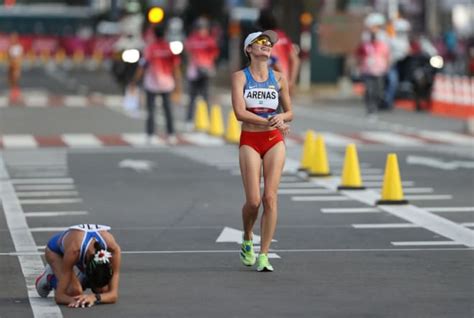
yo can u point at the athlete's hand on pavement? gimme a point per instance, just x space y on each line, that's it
276 121
83 301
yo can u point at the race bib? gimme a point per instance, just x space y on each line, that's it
90 227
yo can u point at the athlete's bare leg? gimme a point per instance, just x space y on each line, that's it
250 167
56 263
273 163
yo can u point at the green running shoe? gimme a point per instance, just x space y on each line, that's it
247 255
263 265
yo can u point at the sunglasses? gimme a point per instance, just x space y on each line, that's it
263 41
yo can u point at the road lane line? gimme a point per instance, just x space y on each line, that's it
429 197
81 140
385 226
43 181
389 138
19 141
451 209
47 229
35 174
350 210
140 140
425 243
320 198
290 185
380 183
46 187
305 191
413 214
49 201
307 250
53 213
448 137
39 194
31 265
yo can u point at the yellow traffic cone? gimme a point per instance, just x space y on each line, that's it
392 192
319 166
216 127
308 151
60 56
232 134
201 118
351 179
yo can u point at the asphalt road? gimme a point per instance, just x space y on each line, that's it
178 222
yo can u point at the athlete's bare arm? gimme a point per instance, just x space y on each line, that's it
64 276
238 102
280 120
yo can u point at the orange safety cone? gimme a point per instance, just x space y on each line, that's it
392 192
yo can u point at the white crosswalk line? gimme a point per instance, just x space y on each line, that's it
4 101
140 140
19 141
451 209
36 99
203 139
54 213
320 198
385 226
425 243
75 101
389 138
39 194
350 210
333 139
448 137
49 201
429 197
43 181
45 187
81 140
304 191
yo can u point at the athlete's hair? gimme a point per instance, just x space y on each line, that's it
98 269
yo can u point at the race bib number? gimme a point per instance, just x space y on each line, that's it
90 227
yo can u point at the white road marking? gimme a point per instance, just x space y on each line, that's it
389 138
320 198
203 139
141 140
410 213
385 226
380 183
36 99
31 265
350 210
448 137
19 141
439 164
49 201
308 250
39 194
451 209
81 140
40 174
4 101
429 197
43 181
53 213
75 101
425 243
291 185
47 229
468 224
332 139
45 187
304 191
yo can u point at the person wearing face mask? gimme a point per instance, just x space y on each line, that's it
374 60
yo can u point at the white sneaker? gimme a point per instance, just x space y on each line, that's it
43 282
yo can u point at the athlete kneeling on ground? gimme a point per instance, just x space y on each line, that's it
83 256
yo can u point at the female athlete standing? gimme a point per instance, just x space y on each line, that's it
257 91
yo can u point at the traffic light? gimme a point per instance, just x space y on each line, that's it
156 15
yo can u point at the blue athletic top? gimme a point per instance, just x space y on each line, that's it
261 98
91 231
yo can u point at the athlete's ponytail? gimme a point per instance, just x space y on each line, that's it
98 269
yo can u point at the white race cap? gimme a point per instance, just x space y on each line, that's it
272 36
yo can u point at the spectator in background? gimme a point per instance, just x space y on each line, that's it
202 52
374 58
160 70
399 44
15 56
284 56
